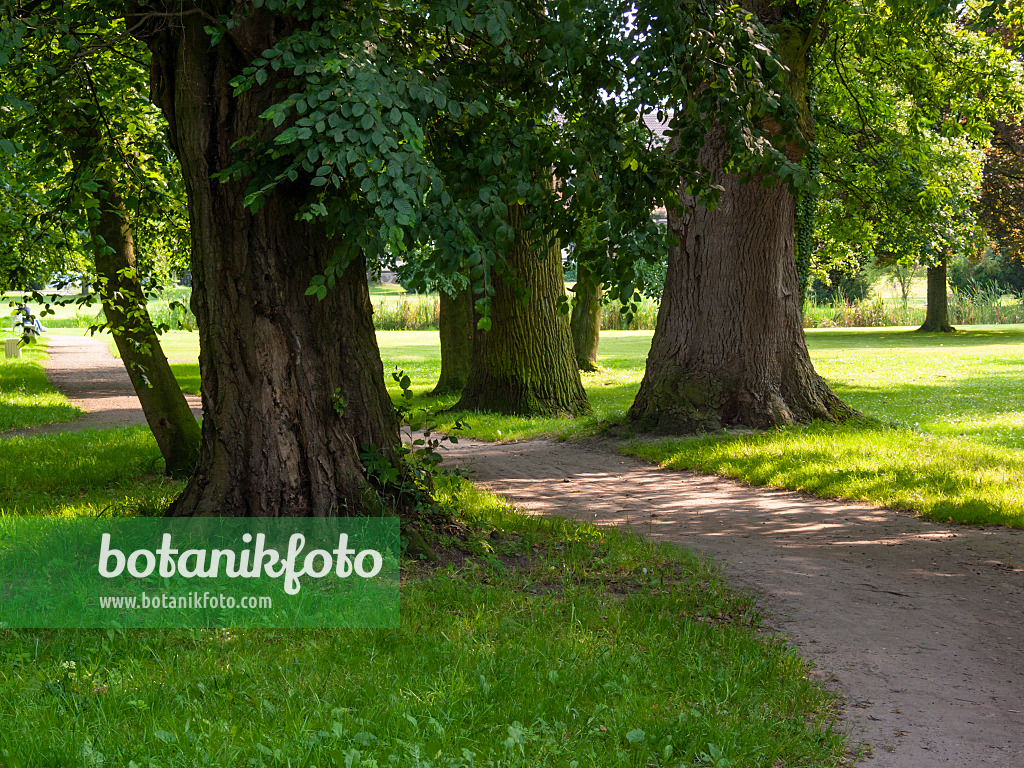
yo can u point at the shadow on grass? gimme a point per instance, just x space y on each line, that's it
848 339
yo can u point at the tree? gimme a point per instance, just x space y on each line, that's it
524 364
1001 205
585 320
292 382
905 104
88 142
302 134
729 347
937 315
456 327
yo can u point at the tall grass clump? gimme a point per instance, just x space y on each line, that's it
170 307
645 318
416 313
982 307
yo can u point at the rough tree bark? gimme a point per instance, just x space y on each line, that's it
585 320
124 305
729 347
524 365
456 326
936 319
291 385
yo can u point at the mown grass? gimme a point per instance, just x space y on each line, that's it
86 473
945 437
943 479
27 398
543 643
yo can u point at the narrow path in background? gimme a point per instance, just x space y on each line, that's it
921 625
93 379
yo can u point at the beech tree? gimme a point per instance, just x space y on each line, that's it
1001 205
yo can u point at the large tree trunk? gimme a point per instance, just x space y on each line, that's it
524 365
936 319
124 304
456 326
729 347
585 321
291 385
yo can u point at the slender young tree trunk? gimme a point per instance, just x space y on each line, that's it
456 326
124 304
292 386
936 319
524 365
729 345
585 321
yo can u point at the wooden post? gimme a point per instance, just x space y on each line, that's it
11 348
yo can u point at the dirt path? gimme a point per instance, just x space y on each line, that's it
93 379
921 625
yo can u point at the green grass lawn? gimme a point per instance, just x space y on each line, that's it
27 399
543 643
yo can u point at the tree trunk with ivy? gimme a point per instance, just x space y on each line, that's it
292 386
524 365
456 326
585 320
729 346
124 304
936 319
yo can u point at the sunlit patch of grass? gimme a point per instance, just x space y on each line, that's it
27 398
82 473
940 478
